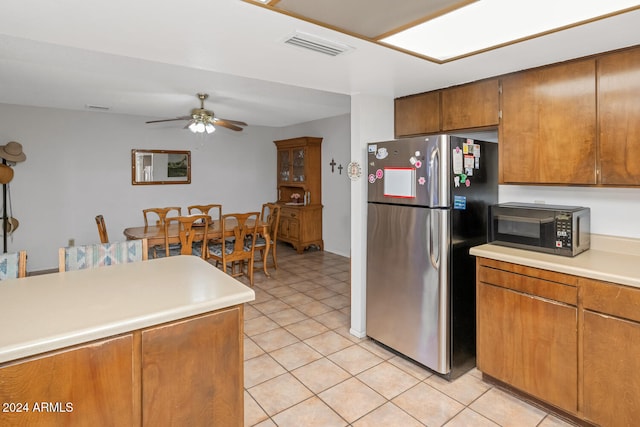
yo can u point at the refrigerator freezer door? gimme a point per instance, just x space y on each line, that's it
407 282
412 171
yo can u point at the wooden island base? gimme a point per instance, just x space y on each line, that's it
182 373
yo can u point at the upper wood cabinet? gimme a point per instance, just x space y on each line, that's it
471 105
467 106
619 117
417 114
548 129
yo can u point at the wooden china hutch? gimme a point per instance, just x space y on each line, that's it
299 192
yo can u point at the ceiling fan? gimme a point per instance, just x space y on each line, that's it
202 120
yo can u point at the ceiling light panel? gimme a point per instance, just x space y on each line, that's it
488 24
369 19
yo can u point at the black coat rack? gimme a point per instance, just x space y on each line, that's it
11 152
5 219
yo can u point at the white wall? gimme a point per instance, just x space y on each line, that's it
614 211
79 165
371 120
335 134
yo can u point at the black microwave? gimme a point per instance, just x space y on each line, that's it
554 229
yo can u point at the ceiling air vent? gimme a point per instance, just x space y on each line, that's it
316 44
96 107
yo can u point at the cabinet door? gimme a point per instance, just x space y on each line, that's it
619 117
529 343
298 165
611 367
294 229
284 166
417 114
192 371
548 129
283 228
88 385
470 106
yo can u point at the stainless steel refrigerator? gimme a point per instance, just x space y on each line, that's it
428 199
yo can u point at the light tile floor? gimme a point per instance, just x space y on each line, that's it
303 368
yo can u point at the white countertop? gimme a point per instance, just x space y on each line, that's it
52 311
611 259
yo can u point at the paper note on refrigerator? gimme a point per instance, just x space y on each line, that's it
399 182
457 161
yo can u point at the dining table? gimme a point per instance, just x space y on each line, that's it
155 234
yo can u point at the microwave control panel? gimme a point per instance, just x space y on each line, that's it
563 230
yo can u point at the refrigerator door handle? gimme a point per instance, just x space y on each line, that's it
434 176
434 255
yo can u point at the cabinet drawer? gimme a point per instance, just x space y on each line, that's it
609 298
289 213
530 285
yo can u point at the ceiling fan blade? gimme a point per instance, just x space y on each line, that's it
226 124
169 120
235 122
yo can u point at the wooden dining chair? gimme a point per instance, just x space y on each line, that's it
271 216
101 254
185 243
162 214
102 229
214 211
13 265
233 251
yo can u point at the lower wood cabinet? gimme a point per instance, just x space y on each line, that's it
183 373
89 385
301 226
526 339
579 355
611 367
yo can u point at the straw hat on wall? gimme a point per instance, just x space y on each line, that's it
12 152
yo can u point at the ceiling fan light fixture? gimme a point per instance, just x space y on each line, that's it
202 120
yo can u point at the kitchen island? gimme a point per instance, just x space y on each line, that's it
157 342
563 331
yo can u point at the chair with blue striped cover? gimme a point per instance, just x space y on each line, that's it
13 265
102 254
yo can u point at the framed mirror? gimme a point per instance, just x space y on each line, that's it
154 167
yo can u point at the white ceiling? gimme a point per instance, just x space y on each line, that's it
150 58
